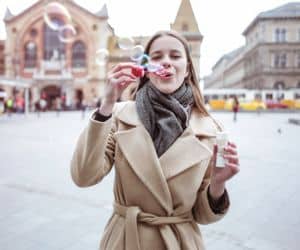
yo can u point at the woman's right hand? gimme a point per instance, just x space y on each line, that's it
118 78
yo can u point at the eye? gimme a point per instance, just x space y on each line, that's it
156 57
176 56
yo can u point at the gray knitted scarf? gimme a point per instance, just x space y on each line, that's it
165 116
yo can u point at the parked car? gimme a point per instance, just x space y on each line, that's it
273 104
297 104
248 106
217 104
253 105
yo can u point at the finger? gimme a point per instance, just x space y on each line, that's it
234 168
232 159
121 66
231 150
125 84
122 73
232 144
118 81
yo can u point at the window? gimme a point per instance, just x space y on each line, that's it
269 96
53 47
276 60
280 60
283 35
277 35
283 61
78 55
33 32
185 27
298 34
280 35
30 55
279 85
298 60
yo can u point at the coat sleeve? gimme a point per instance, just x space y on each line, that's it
94 153
202 210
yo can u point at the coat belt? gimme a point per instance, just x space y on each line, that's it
134 214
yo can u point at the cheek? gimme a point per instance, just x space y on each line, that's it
183 68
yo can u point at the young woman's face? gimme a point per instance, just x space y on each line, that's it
170 53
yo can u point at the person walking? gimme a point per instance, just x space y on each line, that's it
161 144
235 108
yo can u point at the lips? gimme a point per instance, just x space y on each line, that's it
164 74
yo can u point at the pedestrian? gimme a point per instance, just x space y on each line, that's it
161 144
84 108
235 108
58 105
43 104
9 106
37 107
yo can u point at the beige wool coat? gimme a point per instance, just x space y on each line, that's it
158 201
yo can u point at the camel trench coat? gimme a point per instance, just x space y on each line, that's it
158 201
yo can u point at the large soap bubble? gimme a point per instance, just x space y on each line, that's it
125 43
55 11
67 33
102 56
137 53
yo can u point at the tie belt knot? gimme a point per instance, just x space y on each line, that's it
134 214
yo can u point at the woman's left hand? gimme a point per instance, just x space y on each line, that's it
220 175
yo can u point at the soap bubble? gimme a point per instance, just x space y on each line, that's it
56 15
144 60
137 53
67 33
101 56
125 43
154 67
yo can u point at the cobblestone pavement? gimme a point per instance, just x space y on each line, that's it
41 208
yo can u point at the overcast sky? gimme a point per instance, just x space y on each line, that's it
220 22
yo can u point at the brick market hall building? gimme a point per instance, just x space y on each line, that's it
36 64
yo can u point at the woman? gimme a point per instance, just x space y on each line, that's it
161 145
235 107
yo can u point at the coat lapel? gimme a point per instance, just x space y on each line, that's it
142 157
185 152
197 151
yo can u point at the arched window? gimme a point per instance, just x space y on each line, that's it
78 55
30 55
53 47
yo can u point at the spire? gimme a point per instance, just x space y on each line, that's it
8 15
185 20
103 12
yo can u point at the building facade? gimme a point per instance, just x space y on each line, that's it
2 62
34 54
270 58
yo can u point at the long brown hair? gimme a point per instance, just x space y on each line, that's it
190 79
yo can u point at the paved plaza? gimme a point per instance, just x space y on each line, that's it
41 208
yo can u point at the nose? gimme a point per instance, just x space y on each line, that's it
166 65
166 62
